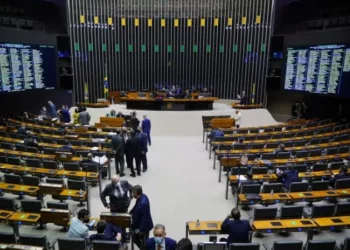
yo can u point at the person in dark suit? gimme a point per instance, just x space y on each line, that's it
29 141
106 231
117 191
159 241
22 130
134 151
237 229
287 177
144 149
244 99
343 174
295 110
142 222
184 244
281 148
146 128
52 110
135 123
118 147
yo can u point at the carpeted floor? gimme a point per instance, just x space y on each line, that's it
181 183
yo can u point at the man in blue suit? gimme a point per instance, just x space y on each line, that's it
52 110
159 241
144 149
146 128
141 217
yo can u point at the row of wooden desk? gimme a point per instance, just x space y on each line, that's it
274 226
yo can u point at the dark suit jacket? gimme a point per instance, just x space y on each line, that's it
288 177
244 100
133 146
338 177
146 125
238 230
22 131
141 215
143 139
109 191
118 145
170 244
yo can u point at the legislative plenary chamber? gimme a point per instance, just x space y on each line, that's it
174 125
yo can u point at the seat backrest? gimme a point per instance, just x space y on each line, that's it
33 162
276 187
342 150
7 203
211 246
319 185
272 145
346 245
258 146
73 166
50 164
315 152
14 160
3 159
250 188
49 151
300 168
68 243
244 246
342 209
288 245
259 170
240 146
322 210
32 150
269 156
320 167
13 179
342 184
91 167
105 245
31 206
31 180
320 245
57 205
332 151
55 181
298 187
76 185
265 213
33 240
241 171
335 165
283 155
301 154
7 237
291 212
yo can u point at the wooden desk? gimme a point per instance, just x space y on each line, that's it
26 154
205 227
79 175
303 196
50 188
344 193
56 216
292 225
9 168
5 214
265 199
36 171
249 106
68 194
18 189
333 223
24 218
123 220
19 247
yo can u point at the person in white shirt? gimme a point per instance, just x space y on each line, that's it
77 228
238 118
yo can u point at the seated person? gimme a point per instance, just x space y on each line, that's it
90 160
106 231
343 174
112 113
29 141
248 181
184 244
43 112
281 148
22 130
239 141
244 160
287 177
216 132
120 114
159 239
77 227
237 229
67 148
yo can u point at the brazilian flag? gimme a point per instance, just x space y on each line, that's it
105 83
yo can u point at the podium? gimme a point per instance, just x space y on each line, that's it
120 219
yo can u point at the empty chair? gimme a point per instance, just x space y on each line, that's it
289 128
33 163
300 168
336 165
320 245
268 130
269 156
77 185
73 166
342 150
291 212
265 213
319 185
338 138
14 160
288 135
252 131
34 240
302 154
276 136
20 147
320 167
277 129
332 151
240 146
6 145
32 150
276 187
300 134
240 171
257 146
48 140
7 203
50 164
3 134
49 151
345 246
3 159
283 155
75 143
90 143
259 170
315 152
342 184
8 238
298 187
31 180
309 133
31 206
342 209
244 246
57 205
251 157
82 153
263 137
300 143
286 245
250 188
319 210
13 179
324 140
91 167
55 181
105 245
288 144
13 135
62 141
211 246
272 145
68 243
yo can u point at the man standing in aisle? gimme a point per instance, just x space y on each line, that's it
118 148
52 110
146 128
117 191
144 149
134 151
141 217
238 118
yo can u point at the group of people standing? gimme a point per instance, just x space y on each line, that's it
299 110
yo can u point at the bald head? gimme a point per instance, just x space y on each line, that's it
115 179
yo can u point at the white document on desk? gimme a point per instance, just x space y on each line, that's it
241 177
100 160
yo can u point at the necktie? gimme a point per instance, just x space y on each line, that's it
159 247
117 192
